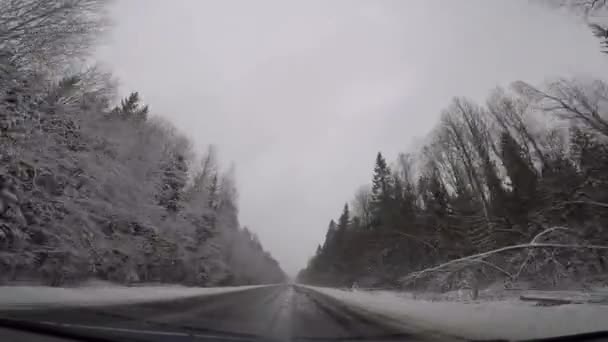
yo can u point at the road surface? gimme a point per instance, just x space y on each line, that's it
272 313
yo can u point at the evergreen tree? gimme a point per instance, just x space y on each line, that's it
131 109
329 236
601 32
344 220
210 214
340 240
91 186
382 190
590 153
173 184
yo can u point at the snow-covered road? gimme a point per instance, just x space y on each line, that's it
505 319
268 313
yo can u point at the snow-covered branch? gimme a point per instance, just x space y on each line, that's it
479 258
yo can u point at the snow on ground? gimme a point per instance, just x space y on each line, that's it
504 319
27 297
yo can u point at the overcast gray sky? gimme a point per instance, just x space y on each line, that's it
302 94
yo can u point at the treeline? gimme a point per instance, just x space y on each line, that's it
513 190
528 161
92 190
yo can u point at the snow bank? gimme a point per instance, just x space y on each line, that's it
509 319
27 297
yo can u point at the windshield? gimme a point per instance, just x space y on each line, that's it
303 170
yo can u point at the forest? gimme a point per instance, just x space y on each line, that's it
93 187
512 190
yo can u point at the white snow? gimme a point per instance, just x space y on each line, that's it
27 297
506 319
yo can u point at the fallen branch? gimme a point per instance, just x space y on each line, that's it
588 202
535 240
547 231
477 257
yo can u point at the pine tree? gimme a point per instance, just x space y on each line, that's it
329 236
344 220
340 240
131 108
213 190
590 154
210 214
174 181
198 191
382 190
600 32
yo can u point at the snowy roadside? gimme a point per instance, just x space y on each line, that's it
28 297
502 319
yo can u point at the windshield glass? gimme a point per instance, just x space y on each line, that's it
293 170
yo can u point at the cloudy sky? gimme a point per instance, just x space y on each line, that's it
301 95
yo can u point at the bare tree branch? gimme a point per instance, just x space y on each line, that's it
477 258
547 231
47 34
588 202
